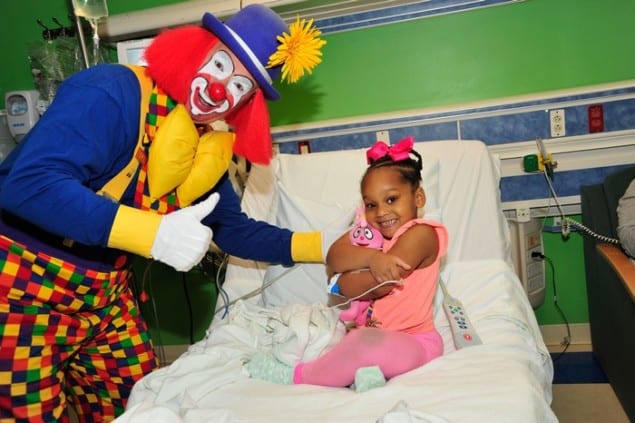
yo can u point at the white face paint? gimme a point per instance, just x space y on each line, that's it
224 69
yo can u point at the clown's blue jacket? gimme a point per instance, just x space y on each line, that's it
49 181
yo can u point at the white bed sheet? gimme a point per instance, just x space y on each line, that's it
508 378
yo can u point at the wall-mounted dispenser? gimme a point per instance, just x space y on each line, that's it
22 112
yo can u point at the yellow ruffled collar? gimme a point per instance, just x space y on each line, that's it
180 160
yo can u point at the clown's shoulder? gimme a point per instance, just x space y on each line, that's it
114 79
93 124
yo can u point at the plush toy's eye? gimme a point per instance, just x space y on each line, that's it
357 232
368 233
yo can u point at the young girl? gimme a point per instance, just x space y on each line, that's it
398 333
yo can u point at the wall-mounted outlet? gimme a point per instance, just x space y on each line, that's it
556 119
383 136
596 118
523 214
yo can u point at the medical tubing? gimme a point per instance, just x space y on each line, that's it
567 221
590 232
267 284
444 289
539 256
219 287
255 292
368 291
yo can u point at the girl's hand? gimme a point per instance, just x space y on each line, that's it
388 267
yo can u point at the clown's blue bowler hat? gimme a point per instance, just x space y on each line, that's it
251 35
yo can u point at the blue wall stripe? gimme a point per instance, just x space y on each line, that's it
495 125
534 186
400 13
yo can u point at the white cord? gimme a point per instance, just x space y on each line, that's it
272 281
255 292
350 300
444 289
567 222
590 232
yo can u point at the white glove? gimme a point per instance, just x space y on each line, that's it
182 240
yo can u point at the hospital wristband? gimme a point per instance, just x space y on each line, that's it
333 287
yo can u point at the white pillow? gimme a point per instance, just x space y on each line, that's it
320 207
303 283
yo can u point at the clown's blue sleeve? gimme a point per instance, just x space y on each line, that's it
239 235
84 138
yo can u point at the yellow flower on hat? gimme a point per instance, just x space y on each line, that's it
299 50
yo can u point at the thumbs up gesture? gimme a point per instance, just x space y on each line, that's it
182 240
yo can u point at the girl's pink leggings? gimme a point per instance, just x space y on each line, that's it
394 352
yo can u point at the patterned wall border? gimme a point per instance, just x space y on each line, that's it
509 128
353 15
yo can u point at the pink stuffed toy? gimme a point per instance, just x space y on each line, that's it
363 235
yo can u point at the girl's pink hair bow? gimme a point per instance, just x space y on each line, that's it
397 152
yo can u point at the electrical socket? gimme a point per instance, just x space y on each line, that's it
383 136
557 122
523 214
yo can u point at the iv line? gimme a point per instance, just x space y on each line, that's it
276 278
368 291
567 221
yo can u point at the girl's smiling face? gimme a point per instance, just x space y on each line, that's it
390 200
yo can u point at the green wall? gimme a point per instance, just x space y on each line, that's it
568 278
514 49
521 48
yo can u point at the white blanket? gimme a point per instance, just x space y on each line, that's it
506 379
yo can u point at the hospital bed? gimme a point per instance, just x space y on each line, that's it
505 379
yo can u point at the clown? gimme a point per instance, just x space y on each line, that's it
125 162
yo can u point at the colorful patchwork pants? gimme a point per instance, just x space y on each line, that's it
68 335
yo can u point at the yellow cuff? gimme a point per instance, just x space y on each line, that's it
134 230
306 247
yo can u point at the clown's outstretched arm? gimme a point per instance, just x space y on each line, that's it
242 236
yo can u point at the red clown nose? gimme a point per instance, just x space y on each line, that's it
217 92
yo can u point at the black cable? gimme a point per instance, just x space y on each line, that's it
189 306
219 286
538 255
147 277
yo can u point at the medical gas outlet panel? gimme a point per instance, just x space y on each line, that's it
527 239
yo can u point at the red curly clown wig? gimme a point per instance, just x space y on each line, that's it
175 56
